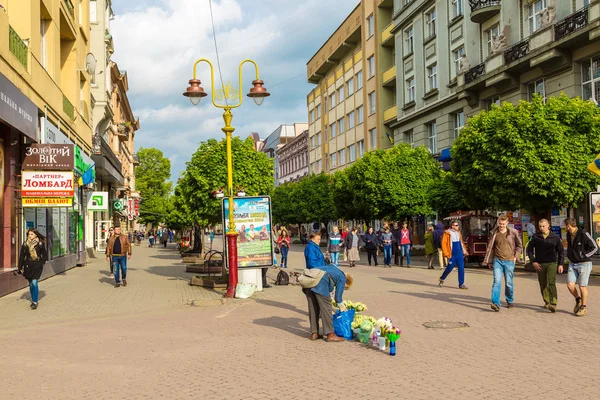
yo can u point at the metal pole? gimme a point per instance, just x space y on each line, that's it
231 233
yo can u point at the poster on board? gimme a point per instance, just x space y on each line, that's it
595 216
252 218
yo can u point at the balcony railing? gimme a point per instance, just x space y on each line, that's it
571 23
136 159
70 7
479 4
474 73
482 10
517 51
18 47
68 107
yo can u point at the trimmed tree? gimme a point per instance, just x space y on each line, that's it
151 177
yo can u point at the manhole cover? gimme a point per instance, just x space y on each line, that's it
445 325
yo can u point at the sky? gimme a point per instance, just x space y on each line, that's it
157 42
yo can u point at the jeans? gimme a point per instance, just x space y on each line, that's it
506 268
34 290
387 254
406 252
284 255
579 273
120 263
335 258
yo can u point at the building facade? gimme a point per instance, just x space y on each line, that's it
278 138
354 100
45 98
293 159
456 58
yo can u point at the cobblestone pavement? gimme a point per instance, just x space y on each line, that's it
89 340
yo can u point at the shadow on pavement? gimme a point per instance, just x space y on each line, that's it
412 282
290 325
27 296
175 272
107 280
278 304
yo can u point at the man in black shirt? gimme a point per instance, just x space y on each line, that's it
546 251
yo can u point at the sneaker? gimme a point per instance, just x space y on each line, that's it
545 305
495 307
124 282
463 287
407 266
510 305
582 311
577 305
552 308
441 284
118 284
34 306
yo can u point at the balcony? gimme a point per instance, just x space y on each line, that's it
68 107
482 10
571 24
70 8
18 47
390 114
474 73
136 159
516 51
389 76
387 37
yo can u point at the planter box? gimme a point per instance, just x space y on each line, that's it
203 269
209 283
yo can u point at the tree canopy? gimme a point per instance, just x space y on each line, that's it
151 180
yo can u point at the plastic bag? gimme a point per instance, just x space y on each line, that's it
342 323
244 290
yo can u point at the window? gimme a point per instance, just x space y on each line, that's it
44 24
457 55
430 23
372 103
341 124
373 138
490 34
318 140
360 112
432 131
535 14
359 81
93 11
342 157
459 123
361 148
457 8
350 86
351 120
340 94
352 153
590 79
332 131
410 89
332 101
318 108
408 138
371 66
537 87
312 142
311 116
334 160
432 77
319 166
408 41
370 26
494 100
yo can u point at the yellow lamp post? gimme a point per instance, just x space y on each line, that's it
195 92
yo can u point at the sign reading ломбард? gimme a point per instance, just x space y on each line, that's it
47 184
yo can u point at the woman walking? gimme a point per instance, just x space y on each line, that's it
429 247
371 244
31 262
335 245
284 246
352 247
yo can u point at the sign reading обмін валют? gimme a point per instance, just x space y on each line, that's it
47 184
53 157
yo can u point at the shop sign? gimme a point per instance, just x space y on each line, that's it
98 201
130 210
137 207
47 184
54 157
52 135
47 201
17 110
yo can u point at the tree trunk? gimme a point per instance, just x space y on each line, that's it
197 238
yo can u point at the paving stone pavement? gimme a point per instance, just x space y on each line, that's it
89 340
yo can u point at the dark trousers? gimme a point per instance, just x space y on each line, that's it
319 305
396 254
372 254
112 267
547 279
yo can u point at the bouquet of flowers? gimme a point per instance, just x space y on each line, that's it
384 324
394 334
362 328
350 305
359 319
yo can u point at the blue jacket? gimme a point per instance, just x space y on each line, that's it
314 257
438 234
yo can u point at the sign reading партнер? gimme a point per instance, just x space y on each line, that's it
47 184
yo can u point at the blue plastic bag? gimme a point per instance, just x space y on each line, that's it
342 323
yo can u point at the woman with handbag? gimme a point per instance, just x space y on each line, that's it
283 241
31 262
371 244
352 241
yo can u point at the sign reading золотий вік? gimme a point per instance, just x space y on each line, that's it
252 218
47 184
54 157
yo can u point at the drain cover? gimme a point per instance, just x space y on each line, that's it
445 325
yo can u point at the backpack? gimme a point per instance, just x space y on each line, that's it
283 279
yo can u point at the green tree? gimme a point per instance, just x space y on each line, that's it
445 197
532 155
151 179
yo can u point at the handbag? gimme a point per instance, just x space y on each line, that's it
310 278
276 250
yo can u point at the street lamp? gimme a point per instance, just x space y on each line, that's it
195 93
